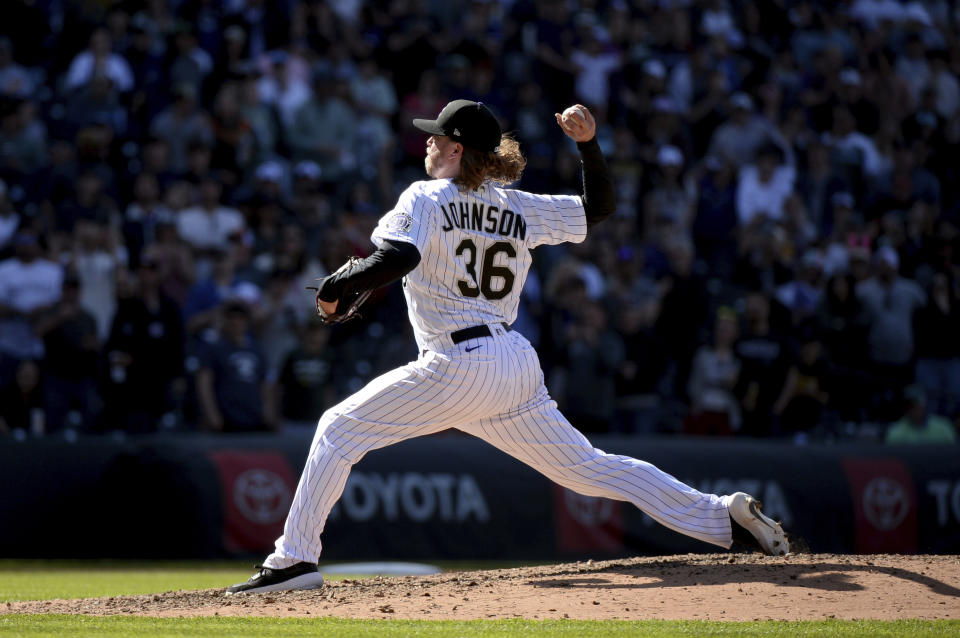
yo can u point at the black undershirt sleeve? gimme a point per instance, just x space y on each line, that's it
390 262
599 202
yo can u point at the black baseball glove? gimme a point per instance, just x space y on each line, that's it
348 304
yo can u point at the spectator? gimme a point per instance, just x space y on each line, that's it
232 385
143 215
428 99
306 378
762 353
913 67
764 260
164 98
714 372
200 165
231 61
884 86
9 220
281 87
279 317
98 257
738 138
919 425
99 59
889 303
21 402
763 188
263 119
938 347
175 262
804 395
683 310
901 185
72 352
23 141
202 308
375 101
717 21
553 39
150 83
190 64
145 351
182 124
234 143
89 203
841 218
852 148
323 129
626 170
639 377
715 224
97 103
865 113
803 295
595 59
30 285
593 355
945 85
157 21
310 206
155 158
630 285
208 225
639 86
15 81
669 204
844 344
818 184
710 110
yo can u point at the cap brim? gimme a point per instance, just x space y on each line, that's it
428 126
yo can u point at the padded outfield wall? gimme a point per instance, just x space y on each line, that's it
451 496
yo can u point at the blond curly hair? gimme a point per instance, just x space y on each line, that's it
503 166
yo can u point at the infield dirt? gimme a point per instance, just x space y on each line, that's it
739 587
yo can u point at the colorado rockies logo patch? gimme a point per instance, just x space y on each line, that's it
400 222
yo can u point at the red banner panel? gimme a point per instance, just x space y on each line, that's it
586 523
257 488
885 505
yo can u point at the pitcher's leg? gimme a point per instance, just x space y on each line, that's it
543 439
396 406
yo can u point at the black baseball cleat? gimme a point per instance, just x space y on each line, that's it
299 576
750 527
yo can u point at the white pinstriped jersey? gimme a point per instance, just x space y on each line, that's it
475 255
474 248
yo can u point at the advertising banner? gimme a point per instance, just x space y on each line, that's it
453 496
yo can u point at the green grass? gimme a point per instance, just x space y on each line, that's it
45 580
334 628
50 579
38 580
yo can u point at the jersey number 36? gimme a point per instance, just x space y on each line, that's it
488 270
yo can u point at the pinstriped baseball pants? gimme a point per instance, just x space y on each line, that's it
490 387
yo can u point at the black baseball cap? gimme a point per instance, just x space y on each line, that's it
470 123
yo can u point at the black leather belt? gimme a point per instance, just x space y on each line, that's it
474 332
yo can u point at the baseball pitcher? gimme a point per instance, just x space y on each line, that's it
461 242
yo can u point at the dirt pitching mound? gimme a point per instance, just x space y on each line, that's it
692 586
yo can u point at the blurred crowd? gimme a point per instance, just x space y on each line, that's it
783 260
